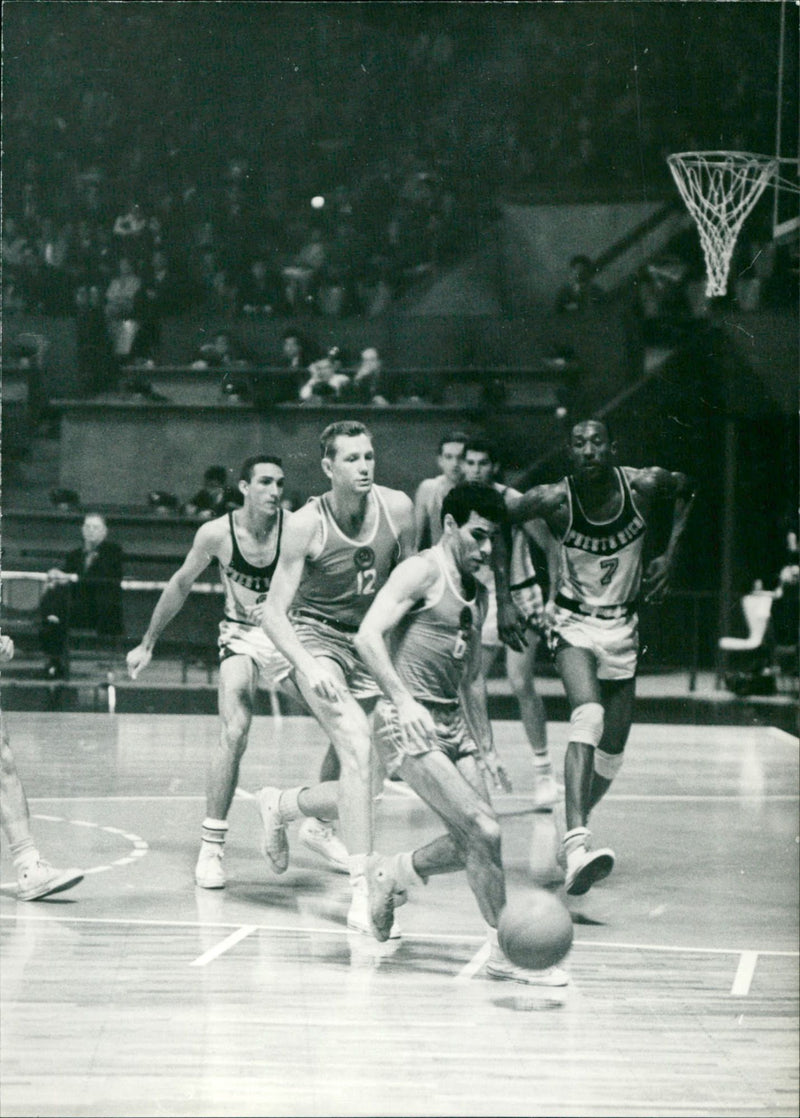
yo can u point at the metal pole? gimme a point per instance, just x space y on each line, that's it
728 531
779 113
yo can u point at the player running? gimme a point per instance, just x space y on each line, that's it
337 552
421 639
246 544
599 515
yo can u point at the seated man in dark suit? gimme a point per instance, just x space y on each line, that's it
86 593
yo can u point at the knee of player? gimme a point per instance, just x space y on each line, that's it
355 750
586 724
607 764
235 731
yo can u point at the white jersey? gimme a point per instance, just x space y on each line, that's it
600 564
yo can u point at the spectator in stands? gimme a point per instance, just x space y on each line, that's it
277 388
296 350
130 232
661 302
326 382
303 274
580 291
367 387
85 592
120 309
169 286
257 294
215 498
221 353
97 369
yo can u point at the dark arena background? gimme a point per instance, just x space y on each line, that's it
226 225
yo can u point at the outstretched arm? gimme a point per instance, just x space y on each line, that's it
173 596
659 484
548 502
406 585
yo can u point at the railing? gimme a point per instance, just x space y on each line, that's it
673 633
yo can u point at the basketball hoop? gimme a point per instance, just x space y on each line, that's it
720 188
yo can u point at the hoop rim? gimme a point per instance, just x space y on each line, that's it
721 155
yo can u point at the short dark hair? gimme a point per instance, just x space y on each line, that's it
452 437
249 464
471 496
346 428
482 446
592 419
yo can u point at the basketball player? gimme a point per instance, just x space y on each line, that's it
421 639
245 543
36 878
337 552
480 465
431 492
599 516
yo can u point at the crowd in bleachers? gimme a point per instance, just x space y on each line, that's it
123 137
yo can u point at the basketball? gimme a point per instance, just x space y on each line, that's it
535 930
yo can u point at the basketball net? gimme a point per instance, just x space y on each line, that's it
720 188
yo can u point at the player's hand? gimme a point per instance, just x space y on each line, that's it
511 626
656 581
416 722
323 682
494 773
6 649
137 660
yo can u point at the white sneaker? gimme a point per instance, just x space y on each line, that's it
275 843
208 873
42 880
591 868
358 919
498 966
319 836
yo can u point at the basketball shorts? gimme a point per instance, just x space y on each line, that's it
324 641
452 735
614 641
238 639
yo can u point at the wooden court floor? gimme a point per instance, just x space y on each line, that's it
138 994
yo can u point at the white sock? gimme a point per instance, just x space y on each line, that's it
575 846
404 872
491 938
215 831
288 805
25 854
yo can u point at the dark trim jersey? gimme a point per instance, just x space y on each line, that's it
245 586
600 563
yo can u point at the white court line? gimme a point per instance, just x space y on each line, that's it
744 974
140 846
475 963
438 937
223 946
645 798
